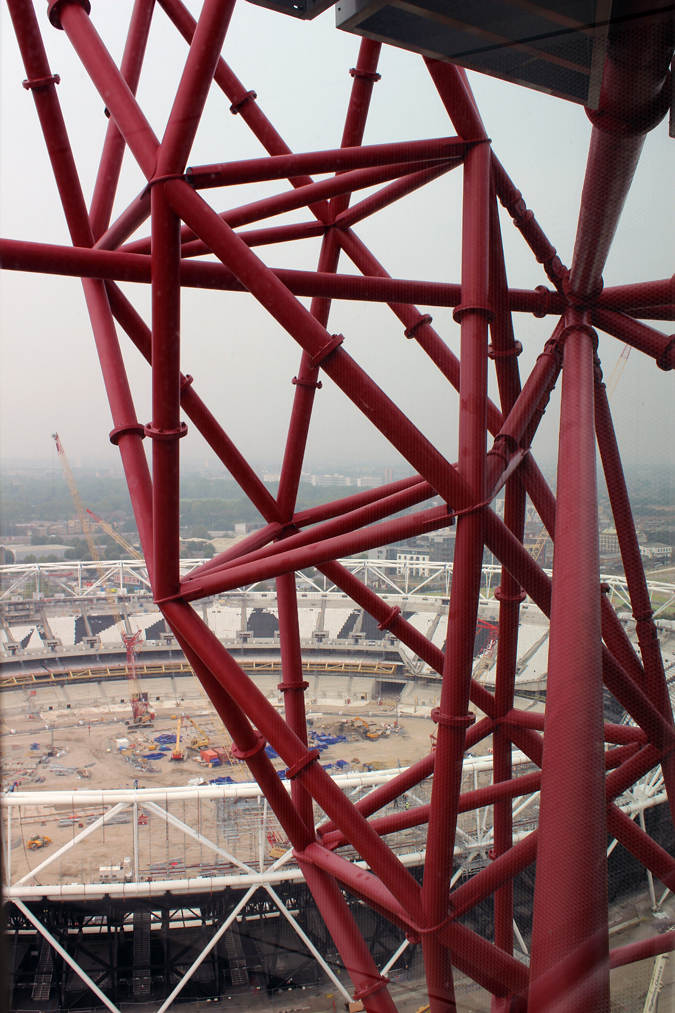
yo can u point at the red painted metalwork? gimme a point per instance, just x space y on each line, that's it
570 967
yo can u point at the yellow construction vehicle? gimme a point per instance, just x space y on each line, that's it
370 731
37 841
201 740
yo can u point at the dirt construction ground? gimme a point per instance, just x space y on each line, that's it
85 741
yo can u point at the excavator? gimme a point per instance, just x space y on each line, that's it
368 730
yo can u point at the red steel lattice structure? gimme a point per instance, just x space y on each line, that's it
571 961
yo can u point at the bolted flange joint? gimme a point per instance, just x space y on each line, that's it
368 75
245 754
361 993
302 763
165 434
56 6
484 311
577 318
40 82
328 349
411 331
387 623
576 301
543 308
132 428
505 353
452 720
250 96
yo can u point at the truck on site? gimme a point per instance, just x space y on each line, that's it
38 841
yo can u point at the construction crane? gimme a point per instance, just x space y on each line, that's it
617 371
109 529
177 752
202 740
140 707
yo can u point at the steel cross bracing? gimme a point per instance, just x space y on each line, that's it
570 959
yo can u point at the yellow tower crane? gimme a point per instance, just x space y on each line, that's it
109 529
140 708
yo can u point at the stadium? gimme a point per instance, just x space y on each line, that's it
175 882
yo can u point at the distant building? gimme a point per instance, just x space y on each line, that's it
656 552
413 561
246 527
382 552
609 540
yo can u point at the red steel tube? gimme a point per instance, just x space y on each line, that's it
48 258
110 85
364 76
282 560
358 881
315 515
470 800
255 170
467 566
294 318
306 385
643 949
416 325
641 295
456 95
288 200
355 954
243 101
245 739
638 843
125 423
166 422
306 381
194 86
509 592
630 554
660 347
498 972
391 193
196 410
400 627
331 799
570 901
530 576
633 99
348 522
292 684
48 107
113 147
528 226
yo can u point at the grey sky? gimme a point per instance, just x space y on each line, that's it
241 360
